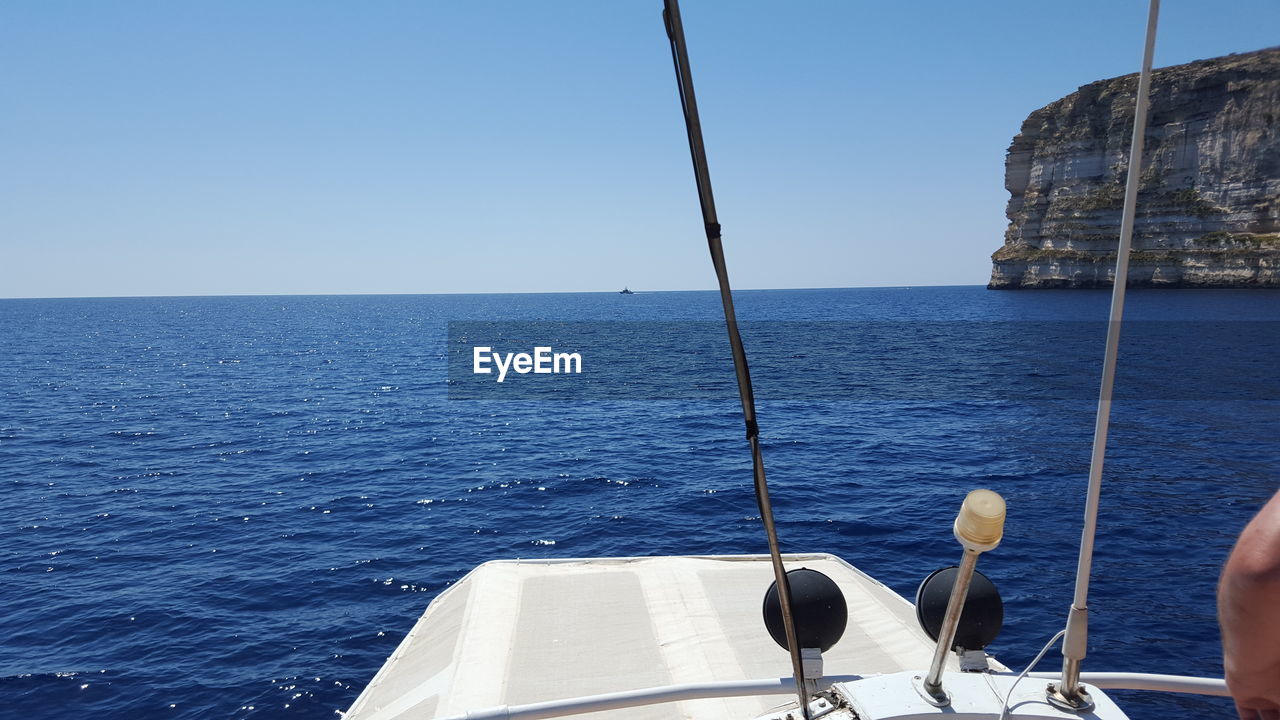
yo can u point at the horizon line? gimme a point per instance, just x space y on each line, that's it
483 292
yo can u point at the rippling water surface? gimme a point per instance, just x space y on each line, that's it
232 507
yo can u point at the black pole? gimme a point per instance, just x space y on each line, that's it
684 78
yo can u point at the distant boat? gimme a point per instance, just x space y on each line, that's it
625 291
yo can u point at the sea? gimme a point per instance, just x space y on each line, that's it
235 507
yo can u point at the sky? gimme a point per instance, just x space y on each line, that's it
321 147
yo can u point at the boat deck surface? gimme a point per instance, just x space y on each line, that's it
521 631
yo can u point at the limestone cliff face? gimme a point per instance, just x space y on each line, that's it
1209 206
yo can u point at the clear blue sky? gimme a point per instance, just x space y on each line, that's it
197 148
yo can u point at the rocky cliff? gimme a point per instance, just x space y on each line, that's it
1209 206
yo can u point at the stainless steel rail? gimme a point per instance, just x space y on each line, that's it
782 686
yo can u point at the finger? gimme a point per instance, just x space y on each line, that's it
1251 711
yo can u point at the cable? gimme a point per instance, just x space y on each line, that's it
1004 707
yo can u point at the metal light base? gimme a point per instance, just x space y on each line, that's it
1080 703
935 696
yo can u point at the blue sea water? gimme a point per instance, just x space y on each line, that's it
237 506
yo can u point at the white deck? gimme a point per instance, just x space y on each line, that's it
514 632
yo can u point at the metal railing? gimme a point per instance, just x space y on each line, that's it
782 686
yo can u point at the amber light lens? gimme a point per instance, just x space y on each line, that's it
981 519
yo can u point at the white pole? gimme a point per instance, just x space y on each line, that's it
1074 646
